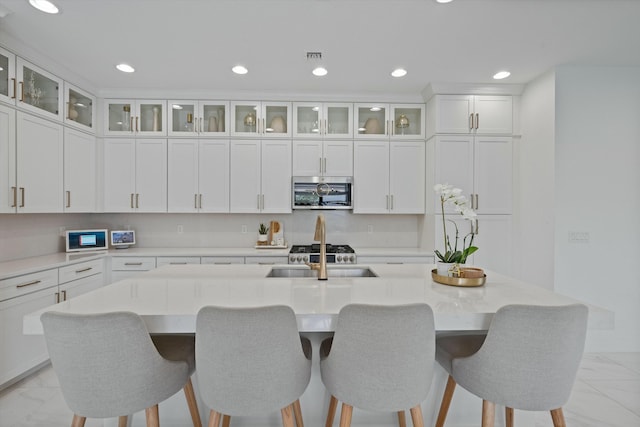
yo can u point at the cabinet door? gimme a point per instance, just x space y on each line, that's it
119 117
151 118
182 187
407 121
8 189
338 120
454 165
371 177
81 286
307 119
8 82
119 175
371 121
39 164
151 175
276 176
80 111
338 158
245 118
38 90
494 114
213 119
276 119
452 113
213 170
79 171
307 158
244 193
183 118
493 178
407 177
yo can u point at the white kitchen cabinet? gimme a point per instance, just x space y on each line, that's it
38 91
198 175
80 278
8 82
260 176
395 259
127 266
266 260
135 175
465 114
8 188
222 260
79 171
198 118
39 165
261 118
127 117
322 158
322 120
397 121
389 177
176 260
80 111
481 166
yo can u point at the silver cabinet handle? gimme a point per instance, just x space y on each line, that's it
132 263
21 197
131 201
64 295
200 201
21 91
477 120
83 270
195 201
320 160
137 200
392 202
24 285
68 199
57 297
14 88
14 190
387 202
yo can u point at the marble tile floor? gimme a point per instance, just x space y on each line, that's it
606 394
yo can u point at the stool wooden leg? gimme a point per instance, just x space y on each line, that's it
488 413
333 404
226 420
78 421
153 419
214 418
402 422
123 421
192 403
416 416
508 416
345 415
446 401
297 413
558 418
287 416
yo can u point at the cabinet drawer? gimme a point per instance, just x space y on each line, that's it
133 263
28 283
78 271
165 260
267 260
222 260
416 259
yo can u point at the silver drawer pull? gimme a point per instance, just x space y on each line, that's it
24 285
222 263
84 269
178 263
132 263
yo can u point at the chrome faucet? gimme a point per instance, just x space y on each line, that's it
320 236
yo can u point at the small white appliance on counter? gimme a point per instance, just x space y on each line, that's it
122 239
86 240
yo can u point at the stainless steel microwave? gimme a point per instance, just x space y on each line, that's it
322 192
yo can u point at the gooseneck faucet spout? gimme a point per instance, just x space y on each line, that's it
320 236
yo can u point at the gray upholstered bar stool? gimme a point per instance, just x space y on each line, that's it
528 360
380 358
108 366
251 361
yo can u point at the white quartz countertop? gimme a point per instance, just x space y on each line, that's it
168 298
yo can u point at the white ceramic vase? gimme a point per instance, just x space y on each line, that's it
213 124
444 268
262 237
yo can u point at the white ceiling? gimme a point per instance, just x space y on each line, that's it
191 45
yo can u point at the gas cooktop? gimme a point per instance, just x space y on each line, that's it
336 254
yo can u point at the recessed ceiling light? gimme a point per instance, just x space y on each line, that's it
319 71
444 1
125 68
44 6
239 69
399 72
501 75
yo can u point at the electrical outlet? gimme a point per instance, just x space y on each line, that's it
370 229
180 229
579 237
243 229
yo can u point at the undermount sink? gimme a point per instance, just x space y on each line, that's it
331 272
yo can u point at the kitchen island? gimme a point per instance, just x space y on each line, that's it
169 297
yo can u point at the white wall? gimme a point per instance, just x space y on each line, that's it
597 191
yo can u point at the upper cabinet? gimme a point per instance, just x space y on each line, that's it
38 91
198 118
465 114
263 119
8 82
135 117
322 120
80 109
397 121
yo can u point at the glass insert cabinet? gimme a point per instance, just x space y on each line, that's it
264 119
192 118
398 121
326 120
80 108
135 117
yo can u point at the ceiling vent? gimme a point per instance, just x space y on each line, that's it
314 55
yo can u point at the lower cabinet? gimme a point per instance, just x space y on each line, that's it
266 260
177 260
123 267
222 260
393 259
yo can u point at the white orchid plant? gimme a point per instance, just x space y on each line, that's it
453 196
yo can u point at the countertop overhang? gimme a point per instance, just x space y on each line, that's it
168 298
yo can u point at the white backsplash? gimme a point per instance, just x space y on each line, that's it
24 236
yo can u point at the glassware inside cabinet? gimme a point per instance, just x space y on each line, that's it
213 118
246 120
308 120
182 117
150 118
407 121
120 118
80 108
4 75
276 119
337 120
371 120
40 91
